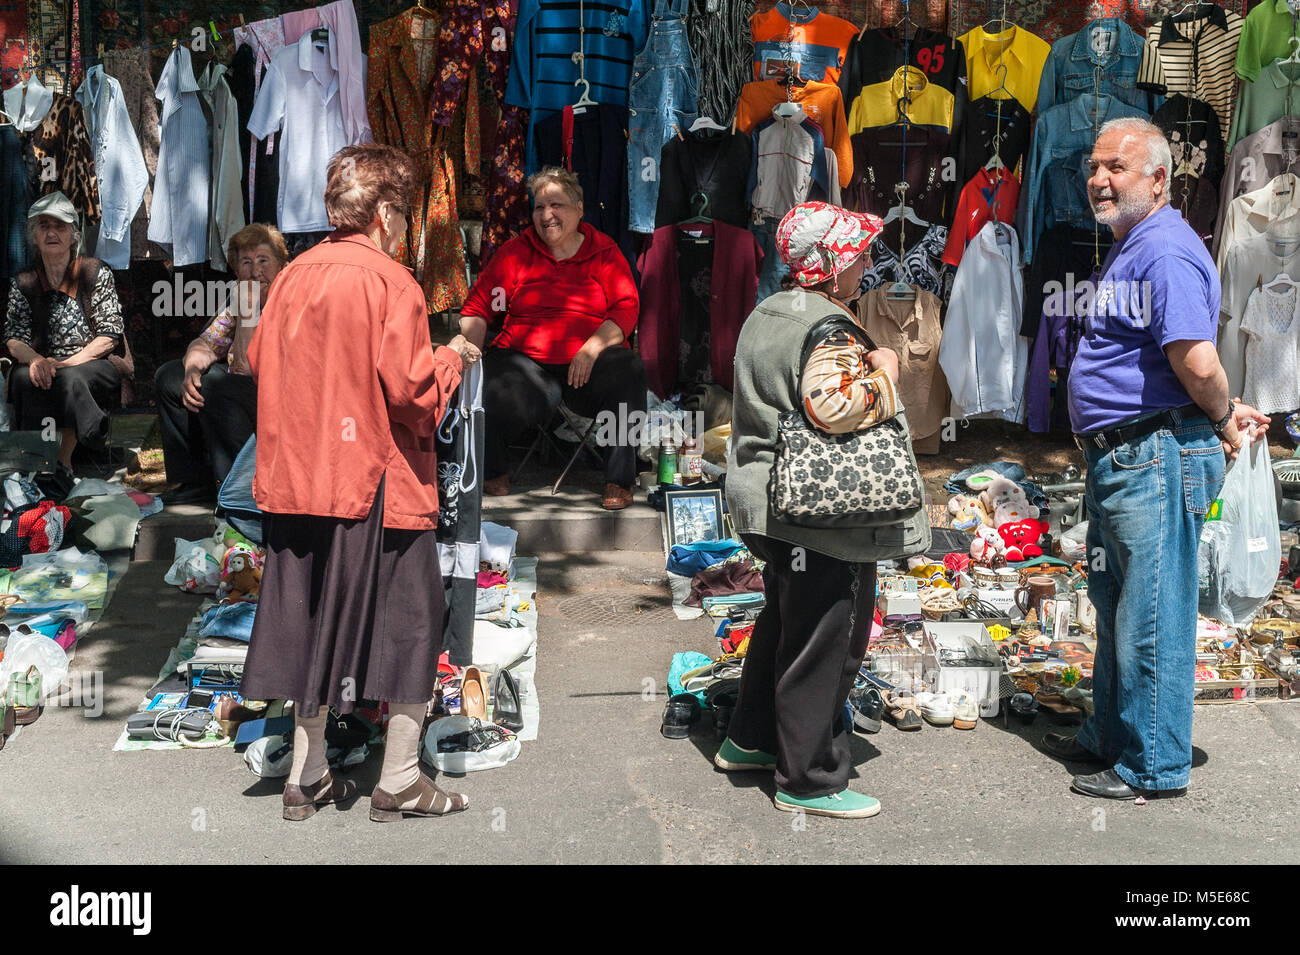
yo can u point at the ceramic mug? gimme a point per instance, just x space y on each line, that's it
1008 578
986 578
1035 590
1085 614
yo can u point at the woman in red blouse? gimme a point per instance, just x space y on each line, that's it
569 305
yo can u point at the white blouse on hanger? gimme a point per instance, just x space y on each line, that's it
1272 371
119 164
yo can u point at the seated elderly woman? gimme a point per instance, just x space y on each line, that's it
569 303
208 399
63 326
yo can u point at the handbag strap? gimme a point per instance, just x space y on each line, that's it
822 330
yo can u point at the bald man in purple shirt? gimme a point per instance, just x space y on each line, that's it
1150 410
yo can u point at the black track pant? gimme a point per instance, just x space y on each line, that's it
76 399
217 432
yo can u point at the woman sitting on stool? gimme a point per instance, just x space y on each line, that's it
208 400
569 303
63 323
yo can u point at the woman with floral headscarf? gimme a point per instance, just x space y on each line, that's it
811 635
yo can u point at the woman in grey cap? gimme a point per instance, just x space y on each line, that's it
63 326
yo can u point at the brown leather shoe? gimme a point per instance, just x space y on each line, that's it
497 486
301 802
27 715
421 798
616 497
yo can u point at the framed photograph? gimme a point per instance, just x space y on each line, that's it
693 516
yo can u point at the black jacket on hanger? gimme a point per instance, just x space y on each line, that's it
710 162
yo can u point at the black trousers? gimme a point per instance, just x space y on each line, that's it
806 648
519 394
77 399
217 433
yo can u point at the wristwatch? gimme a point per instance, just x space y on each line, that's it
1224 421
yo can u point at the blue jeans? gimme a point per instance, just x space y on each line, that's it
1147 500
774 268
663 93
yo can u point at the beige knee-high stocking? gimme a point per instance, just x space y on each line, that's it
401 767
309 762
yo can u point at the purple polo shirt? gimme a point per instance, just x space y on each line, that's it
1158 285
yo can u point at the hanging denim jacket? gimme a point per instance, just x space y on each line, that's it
1057 192
1109 45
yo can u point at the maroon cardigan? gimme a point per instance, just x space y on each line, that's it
736 261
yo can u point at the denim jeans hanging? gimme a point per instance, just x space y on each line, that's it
663 94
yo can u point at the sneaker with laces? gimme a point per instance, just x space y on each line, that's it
731 758
841 805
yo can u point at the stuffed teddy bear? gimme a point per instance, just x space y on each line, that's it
1021 538
1006 501
241 578
967 513
987 545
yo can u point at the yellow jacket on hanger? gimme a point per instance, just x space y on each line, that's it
880 104
1023 54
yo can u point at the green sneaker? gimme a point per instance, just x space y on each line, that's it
841 805
732 758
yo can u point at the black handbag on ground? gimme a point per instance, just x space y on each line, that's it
861 479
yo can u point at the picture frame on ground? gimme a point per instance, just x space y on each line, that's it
693 516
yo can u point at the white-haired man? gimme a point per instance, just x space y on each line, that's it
1150 410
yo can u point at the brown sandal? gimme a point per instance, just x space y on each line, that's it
301 802
421 798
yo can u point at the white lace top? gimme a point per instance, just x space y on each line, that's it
1272 371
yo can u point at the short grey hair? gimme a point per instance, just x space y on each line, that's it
76 236
556 175
1157 145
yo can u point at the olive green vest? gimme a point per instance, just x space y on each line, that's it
767 384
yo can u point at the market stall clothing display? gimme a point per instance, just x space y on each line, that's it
400 90
986 197
15 198
1272 373
59 154
820 101
921 263
27 103
785 153
1265 35
912 331
662 100
1066 257
707 163
919 153
1103 57
1055 190
802 40
1274 94
1197 198
1250 263
1252 213
874 56
731 279
130 69
1124 373
907 95
1194 54
259 164
178 220
225 202
982 329
1022 54
1056 342
591 141
1256 161
119 164
723 47
542 69
993 127
1196 146
339 18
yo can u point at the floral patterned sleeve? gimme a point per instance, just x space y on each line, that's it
839 393
105 307
219 335
18 316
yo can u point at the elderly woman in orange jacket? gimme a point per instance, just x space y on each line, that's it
350 393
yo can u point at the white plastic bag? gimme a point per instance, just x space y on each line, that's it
196 566
465 762
35 649
1239 554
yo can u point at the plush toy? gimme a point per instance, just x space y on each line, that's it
1021 538
1006 501
241 577
987 545
967 513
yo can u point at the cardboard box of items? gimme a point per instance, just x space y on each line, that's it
947 640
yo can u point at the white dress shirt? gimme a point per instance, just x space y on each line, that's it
1251 214
226 212
179 218
28 111
982 353
119 164
300 96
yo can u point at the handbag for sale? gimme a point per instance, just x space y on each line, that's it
861 479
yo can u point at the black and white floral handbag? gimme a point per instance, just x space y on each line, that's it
860 479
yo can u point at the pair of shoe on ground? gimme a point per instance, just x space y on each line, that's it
845 804
421 798
1106 784
615 498
906 710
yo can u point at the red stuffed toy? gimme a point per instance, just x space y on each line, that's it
1022 538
